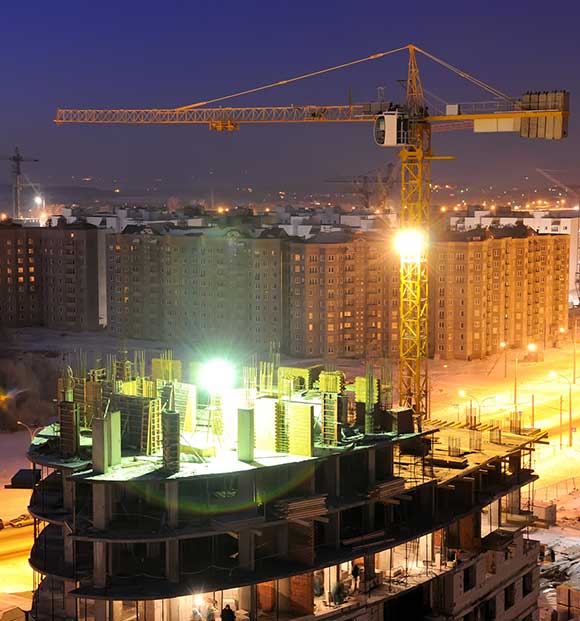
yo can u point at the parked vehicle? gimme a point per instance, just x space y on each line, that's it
22 520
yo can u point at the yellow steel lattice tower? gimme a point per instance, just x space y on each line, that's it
415 207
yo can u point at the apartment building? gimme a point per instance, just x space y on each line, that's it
339 295
553 222
217 288
497 285
21 302
143 512
72 276
52 277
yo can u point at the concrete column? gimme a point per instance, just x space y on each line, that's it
153 610
369 574
100 563
101 505
247 482
70 603
102 610
246 436
101 447
172 572
332 530
514 501
332 475
246 552
284 600
282 539
115 611
172 609
67 490
372 475
248 600
172 503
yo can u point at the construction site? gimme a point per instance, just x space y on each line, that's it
173 490
168 487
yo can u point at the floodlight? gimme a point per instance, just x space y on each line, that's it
411 244
38 200
216 376
532 347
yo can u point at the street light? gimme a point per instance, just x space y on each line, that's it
555 375
503 346
479 402
32 433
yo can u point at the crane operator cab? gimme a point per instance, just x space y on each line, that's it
391 129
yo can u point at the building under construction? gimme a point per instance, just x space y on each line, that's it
173 490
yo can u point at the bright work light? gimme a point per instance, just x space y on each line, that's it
410 244
216 376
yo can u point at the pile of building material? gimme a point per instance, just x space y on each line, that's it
568 601
300 508
387 489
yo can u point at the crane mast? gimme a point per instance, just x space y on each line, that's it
415 209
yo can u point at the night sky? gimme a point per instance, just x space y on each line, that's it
153 54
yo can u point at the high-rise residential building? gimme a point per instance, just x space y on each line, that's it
552 222
339 295
72 276
52 277
498 285
335 294
21 302
212 288
269 503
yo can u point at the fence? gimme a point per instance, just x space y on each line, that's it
556 490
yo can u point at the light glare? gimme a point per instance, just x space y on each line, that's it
216 376
410 244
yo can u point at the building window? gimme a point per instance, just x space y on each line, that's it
509 596
468 578
528 583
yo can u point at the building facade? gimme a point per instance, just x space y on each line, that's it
561 222
52 277
340 296
219 288
336 294
160 514
500 285
72 277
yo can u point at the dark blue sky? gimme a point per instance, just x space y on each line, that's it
148 54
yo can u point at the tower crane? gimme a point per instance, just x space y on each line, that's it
407 126
363 184
16 161
571 192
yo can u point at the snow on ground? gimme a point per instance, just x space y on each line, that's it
13 447
564 540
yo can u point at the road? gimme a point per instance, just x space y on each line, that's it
488 387
15 572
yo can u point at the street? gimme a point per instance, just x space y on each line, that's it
491 387
15 572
